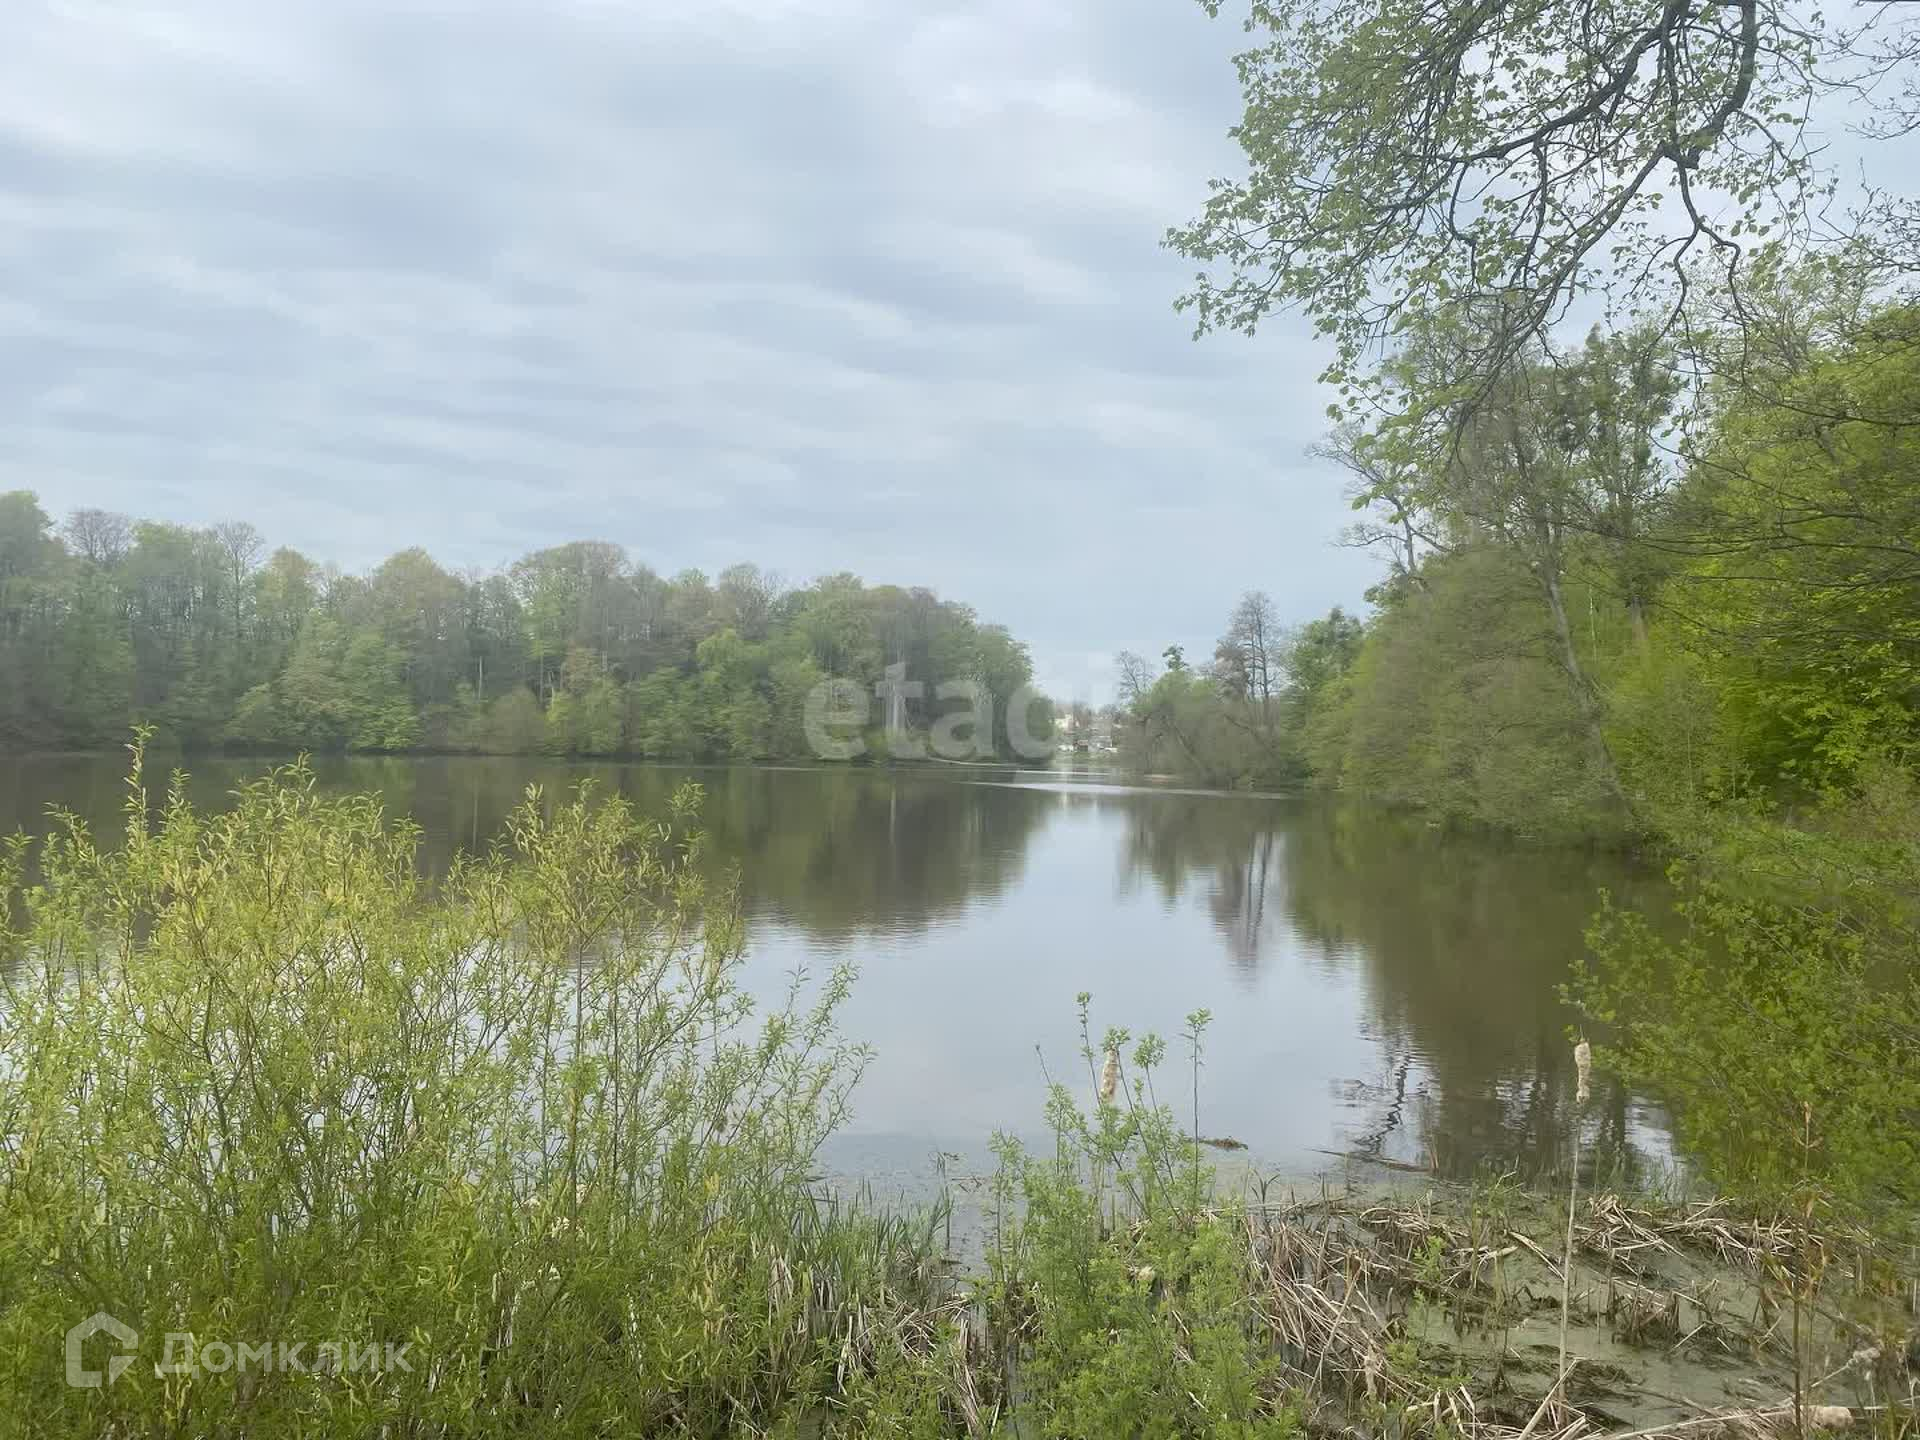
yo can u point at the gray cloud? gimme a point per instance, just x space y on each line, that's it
822 284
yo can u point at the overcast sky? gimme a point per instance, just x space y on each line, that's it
870 285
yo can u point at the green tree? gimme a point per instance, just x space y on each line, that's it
1455 704
257 723
29 556
312 695
1782 1018
420 611
1405 157
735 715
95 661
1321 653
286 590
837 624
660 718
572 651
382 716
791 680
1801 534
515 724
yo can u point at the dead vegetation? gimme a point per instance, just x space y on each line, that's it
1439 1315
1425 1316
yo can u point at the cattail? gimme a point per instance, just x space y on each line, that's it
1583 1069
1110 1077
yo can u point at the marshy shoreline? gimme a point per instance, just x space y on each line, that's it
1437 1309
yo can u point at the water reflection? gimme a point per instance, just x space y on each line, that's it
1228 847
840 853
1462 941
1378 988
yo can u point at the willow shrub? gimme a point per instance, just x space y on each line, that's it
261 1085
1783 1020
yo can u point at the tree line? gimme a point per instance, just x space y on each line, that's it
1607 611
1237 719
106 622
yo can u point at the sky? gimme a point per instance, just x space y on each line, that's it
867 285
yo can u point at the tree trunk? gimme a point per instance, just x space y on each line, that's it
1583 697
1637 617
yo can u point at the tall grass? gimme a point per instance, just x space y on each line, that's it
259 1084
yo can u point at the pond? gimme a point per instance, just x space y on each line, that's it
1378 987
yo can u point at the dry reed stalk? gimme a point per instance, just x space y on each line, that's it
1753 1423
1321 1266
1582 1060
1640 1311
1572 1426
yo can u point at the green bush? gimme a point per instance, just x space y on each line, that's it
260 1085
1783 1020
1128 1294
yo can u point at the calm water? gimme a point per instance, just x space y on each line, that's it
1376 987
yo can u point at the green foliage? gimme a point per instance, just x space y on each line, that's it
1802 586
97 677
587 714
258 1083
1581 640
1132 1296
1242 720
733 698
573 651
1784 1022
1455 706
1405 157
514 725
339 690
1620 608
1667 726
1661 586
1324 650
661 720
1182 726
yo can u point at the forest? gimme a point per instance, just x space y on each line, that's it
574 650
1610 605
1657 590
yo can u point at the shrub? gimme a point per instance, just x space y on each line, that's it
1129 1292
260 1084
1783 1022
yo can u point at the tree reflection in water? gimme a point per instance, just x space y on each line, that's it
1462 942
1387 989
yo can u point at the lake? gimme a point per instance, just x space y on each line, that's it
1378 987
